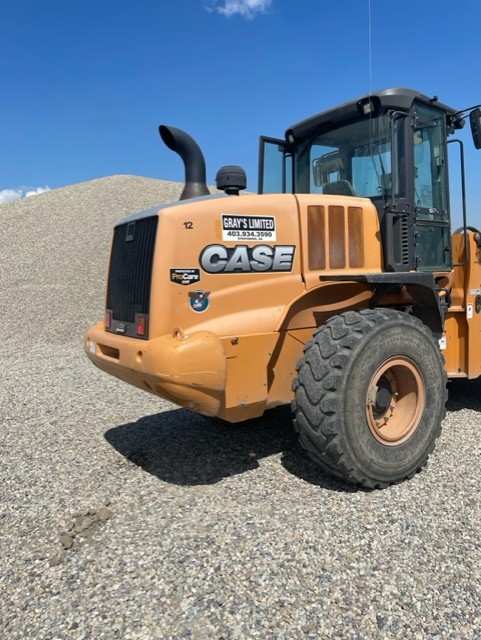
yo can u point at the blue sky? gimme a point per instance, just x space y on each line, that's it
87 82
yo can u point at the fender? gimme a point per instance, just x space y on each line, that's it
422 287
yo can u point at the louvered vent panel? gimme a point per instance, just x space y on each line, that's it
130 273
404 243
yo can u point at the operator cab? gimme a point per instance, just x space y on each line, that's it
390 147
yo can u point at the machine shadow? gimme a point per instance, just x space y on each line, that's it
184 448
464 394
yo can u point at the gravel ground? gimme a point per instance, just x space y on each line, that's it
123 516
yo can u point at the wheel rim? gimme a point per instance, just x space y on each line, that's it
395 401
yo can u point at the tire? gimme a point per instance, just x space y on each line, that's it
370 396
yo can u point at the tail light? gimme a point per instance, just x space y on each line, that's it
141 320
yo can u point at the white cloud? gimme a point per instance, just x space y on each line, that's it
245 8
7 195
34 192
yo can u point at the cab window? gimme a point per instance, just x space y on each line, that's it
354 159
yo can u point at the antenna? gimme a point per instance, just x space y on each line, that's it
370 43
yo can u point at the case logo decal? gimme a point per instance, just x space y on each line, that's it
199 300
216 258
185 276
235 227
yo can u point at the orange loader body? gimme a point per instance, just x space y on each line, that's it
237 357
338 289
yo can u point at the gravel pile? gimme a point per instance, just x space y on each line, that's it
123 516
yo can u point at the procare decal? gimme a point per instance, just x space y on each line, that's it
216 258
199 300
237 227
185 276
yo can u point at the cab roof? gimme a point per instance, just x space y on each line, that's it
400 99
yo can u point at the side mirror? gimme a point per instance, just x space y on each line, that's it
475 121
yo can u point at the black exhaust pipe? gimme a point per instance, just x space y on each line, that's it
194 163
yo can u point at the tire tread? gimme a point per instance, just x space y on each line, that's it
321 373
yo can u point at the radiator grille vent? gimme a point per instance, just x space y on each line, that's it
130 272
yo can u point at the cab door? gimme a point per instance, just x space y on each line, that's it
275 166
431 197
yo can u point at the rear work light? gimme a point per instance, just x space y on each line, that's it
108 319
141 322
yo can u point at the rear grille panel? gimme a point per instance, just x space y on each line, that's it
130 273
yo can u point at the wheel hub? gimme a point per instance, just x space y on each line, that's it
384 397
395 401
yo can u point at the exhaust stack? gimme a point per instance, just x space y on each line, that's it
192 157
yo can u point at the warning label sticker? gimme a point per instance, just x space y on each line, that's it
237 227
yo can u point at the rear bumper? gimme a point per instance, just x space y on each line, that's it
188 370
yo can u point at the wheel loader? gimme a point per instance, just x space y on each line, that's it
339 288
